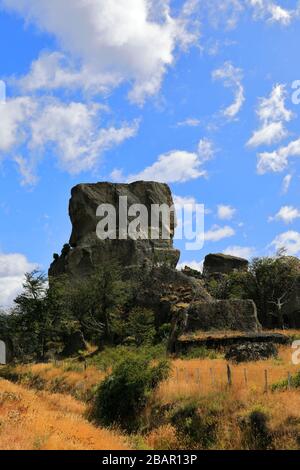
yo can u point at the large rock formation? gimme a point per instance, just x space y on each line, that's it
86 251
223 264
233 315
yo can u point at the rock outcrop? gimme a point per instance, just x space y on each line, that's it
223 264
232 315
86 251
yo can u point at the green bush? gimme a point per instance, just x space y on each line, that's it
200 352
283 384
256 434
122 396
112 356
196 426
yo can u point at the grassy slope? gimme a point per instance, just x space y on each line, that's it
56 421
43 421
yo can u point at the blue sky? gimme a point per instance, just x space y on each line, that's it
195 94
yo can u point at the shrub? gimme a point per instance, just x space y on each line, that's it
123 395
256 434
195 425
112 356
283 384
200 352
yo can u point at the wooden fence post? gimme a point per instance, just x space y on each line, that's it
266 381
246 377
198 376
289 381
229 376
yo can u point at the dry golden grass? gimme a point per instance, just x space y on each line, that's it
220 334
61 377
42 421
198 377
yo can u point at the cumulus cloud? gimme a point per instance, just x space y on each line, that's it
286 214
240 251
176 166
290 241
225 212
217 233
272 12
278 160
232 78
55 70
12 269
117 41
272 114
73 131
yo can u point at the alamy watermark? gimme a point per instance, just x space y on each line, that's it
137 222
296 93
2 353
296 353
2 92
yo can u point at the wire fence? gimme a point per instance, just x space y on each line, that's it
227 376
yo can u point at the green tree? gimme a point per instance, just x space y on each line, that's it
140 325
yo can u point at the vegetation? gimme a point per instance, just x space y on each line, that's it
180 413
121 379
269 282
123 395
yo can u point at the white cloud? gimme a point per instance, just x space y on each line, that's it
286 182
278 160
225 212
290 241
268 134
272 12
240 251
286 214
272 114
181 201
116 41
232 78
217 233
225 14
176 166
15 114
189 122
197 265
54 70
206 150
12 270
73 131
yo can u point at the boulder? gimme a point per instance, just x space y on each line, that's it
232 315
86 251
251 352
223 264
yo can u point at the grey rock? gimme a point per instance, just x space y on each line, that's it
85 251
251 352
223 264
232 315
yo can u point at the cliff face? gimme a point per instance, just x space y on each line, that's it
86 251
